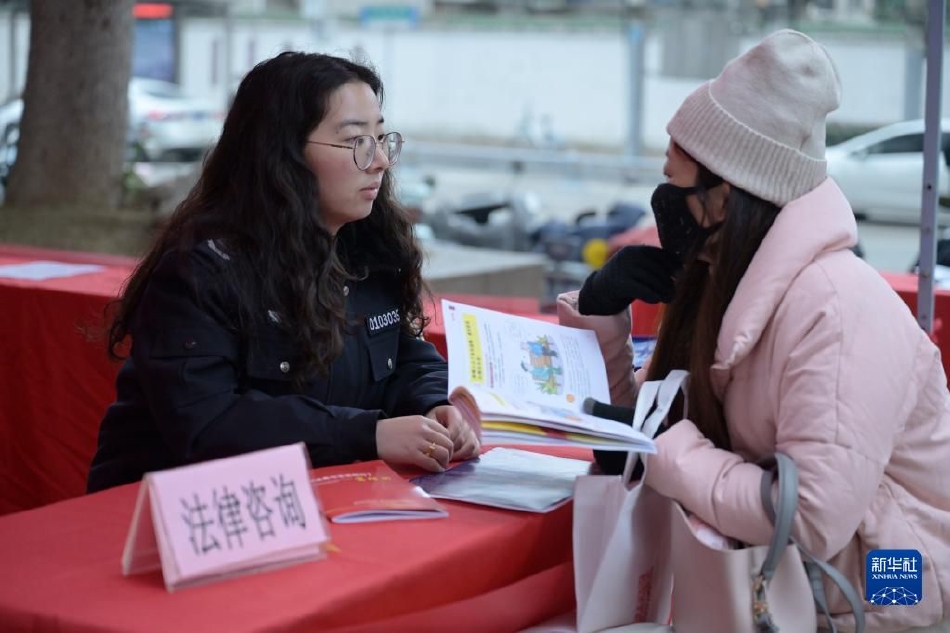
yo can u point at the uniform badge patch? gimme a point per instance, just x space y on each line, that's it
376 323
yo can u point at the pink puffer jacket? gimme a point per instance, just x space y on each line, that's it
818 358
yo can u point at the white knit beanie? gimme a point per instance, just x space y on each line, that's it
760 124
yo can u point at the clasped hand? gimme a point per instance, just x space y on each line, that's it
430 441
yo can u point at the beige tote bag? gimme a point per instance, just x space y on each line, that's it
622 568
761 589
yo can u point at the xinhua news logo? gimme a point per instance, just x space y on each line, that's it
894 577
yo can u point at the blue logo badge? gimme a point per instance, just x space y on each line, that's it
894 577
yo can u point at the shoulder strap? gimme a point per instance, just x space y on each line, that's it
646 397
815 568
781 515
662 393
787 504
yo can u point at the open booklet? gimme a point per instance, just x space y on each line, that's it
523 381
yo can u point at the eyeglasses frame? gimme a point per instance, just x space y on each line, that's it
376 146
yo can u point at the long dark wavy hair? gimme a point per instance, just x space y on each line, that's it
690 325
258 197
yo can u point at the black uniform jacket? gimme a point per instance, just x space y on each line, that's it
196 388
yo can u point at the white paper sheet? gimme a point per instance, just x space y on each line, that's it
43 270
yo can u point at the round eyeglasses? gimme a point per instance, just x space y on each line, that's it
364 148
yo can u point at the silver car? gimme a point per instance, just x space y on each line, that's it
165 124
881 172
169 125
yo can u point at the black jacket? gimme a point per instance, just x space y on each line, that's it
196 388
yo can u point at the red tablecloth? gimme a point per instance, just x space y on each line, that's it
479 570
54 383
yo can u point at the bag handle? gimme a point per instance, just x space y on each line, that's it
646 396
662 393
781 515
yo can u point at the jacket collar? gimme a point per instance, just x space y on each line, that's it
818 222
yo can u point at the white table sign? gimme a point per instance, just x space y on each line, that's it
219 518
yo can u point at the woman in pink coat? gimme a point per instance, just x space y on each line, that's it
792 342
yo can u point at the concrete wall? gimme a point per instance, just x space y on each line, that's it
485 84
203 66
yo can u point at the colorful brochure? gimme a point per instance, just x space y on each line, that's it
523 381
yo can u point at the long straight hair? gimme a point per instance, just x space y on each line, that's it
689 329
257 195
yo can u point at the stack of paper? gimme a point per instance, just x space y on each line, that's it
509 478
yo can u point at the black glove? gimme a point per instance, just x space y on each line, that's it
634 272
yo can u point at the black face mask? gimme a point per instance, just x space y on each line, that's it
679 232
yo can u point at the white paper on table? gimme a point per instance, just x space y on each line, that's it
43 270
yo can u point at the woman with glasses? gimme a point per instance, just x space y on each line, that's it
282 302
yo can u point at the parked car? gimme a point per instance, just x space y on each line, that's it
9 136
168 124
165 124
881 172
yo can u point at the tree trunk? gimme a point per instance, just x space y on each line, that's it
75 105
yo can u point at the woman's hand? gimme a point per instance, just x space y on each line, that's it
416 440
464 440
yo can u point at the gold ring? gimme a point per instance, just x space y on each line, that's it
429 450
